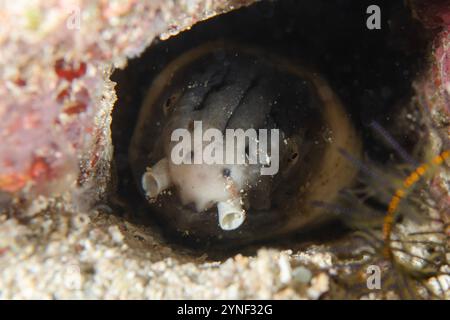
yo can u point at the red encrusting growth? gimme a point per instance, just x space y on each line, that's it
69 70
75 108
39 170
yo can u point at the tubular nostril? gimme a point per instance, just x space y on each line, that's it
156 179
231 215
150 185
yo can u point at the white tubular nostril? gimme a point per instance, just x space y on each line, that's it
231 214
156 179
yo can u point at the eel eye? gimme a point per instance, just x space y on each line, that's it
169 104
226 172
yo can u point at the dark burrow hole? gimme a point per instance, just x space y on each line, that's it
370 70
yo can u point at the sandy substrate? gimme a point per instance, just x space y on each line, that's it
95 255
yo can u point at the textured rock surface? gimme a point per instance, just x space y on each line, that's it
433 89
55 60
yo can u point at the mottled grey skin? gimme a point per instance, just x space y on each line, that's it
226 87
